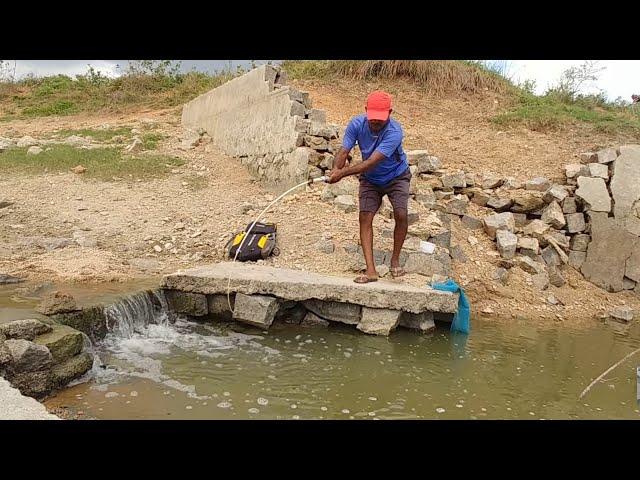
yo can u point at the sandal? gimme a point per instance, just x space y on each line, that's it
397 272
365 279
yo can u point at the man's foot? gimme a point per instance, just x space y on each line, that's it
397 272
365 279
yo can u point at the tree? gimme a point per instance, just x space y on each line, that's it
162 68
574 80
7 71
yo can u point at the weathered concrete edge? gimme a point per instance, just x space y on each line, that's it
16 406
433 301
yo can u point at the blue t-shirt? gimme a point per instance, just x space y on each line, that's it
388 142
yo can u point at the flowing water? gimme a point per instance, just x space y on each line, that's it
153 367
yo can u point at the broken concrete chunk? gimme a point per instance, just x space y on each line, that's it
498 221
378 321
256 310
507 243
593 191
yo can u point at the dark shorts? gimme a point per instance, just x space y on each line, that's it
397 190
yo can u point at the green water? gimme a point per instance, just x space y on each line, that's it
517 370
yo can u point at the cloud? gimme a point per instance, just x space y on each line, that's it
42 68
618 79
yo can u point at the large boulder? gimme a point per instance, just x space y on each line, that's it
632 269
36 384
63 342
71 369
27 329
625 188
92 321
57 302
610 247
27 356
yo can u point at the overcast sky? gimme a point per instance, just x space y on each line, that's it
620 78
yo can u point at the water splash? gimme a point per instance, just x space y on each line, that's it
143 334
133 313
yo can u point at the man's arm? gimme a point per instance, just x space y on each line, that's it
390 142
348 142
339 173
341 158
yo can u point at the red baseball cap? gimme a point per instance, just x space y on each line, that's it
378 105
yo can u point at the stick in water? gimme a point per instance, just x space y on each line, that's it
586 390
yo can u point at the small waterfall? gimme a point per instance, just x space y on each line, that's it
142 333
134 312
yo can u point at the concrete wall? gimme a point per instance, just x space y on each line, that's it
270 126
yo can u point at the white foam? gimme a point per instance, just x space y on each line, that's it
142 337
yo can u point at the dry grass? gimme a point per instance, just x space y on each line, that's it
455 78
437 77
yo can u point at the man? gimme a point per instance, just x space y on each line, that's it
383 171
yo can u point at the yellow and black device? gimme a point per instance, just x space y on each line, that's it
260 243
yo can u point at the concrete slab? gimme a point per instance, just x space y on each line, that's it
298 285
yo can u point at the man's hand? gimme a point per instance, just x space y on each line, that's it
335 176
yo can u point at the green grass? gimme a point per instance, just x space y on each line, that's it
545 113
62 95
93 93
98 134
150 140
57 107
101 163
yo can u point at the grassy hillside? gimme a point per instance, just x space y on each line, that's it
160 86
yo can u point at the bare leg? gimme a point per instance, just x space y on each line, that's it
399 234
366 239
